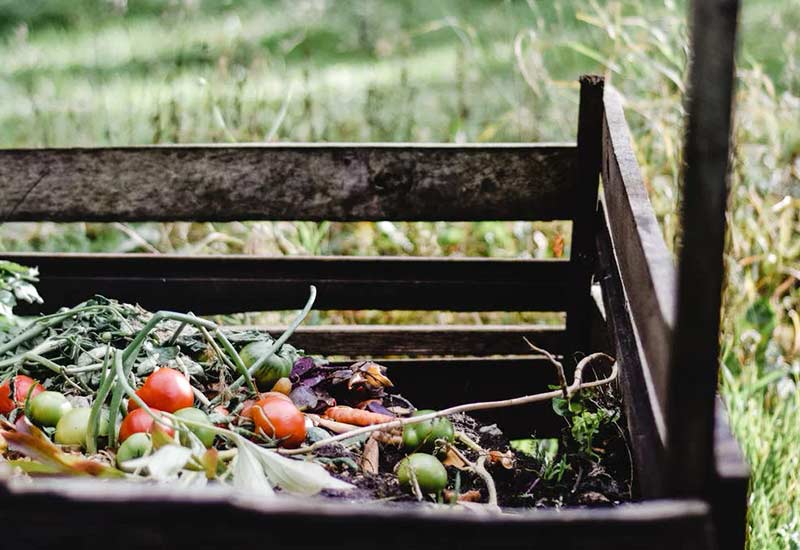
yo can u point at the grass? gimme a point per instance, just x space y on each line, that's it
92 72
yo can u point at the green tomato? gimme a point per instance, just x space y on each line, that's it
430 474
136 446
278 366
73 426
205 435
423 436
48 407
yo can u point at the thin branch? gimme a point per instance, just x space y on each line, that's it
576 386
562 378
479 468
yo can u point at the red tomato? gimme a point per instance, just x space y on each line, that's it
247 405
280 419
21 385
139 421
167 390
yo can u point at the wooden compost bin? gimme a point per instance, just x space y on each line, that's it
690 481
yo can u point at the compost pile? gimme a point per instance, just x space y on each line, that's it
111 390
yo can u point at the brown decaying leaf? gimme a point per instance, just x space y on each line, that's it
558 245
506 459
452 459
369 373
388 438
370 458
473 495
34 444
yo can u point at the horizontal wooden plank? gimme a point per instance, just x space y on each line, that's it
422 340
227 284
344 182
646 265
643 412
130 516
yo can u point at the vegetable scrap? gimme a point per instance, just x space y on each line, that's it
110 390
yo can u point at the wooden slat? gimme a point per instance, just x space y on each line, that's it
422 340
583 252
730 484
227 284
643 412
647 268
345 182
131 516
695 360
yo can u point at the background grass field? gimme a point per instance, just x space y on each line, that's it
98 72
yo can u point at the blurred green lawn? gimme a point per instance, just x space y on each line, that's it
98 72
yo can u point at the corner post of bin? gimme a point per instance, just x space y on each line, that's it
695 352
583 252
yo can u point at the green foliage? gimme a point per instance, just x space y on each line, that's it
16 283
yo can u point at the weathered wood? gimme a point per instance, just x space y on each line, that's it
695 356
227 284
582 251
422 340
346 182
729 486
136 514
646 266
643 412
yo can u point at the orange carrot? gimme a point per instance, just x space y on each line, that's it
357 417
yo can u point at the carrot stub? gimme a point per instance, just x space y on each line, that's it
356 417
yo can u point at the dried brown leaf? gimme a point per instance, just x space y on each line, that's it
370 458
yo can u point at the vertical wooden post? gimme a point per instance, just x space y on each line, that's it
583 253
695 361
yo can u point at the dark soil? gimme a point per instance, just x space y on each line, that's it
602 478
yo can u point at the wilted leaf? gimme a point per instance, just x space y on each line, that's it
295 476
452 459
163 464
369 373
370 458
248 474
31 442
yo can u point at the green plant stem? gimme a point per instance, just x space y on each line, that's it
40 324
280 341
129 357
575 387
240 366
45 347
109 375
126 388
55 367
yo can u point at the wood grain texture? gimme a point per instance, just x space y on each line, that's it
643 412
422 340
344 182
228 284
695 358
132 516
583 251
645 263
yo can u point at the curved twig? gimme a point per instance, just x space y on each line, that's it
572 389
